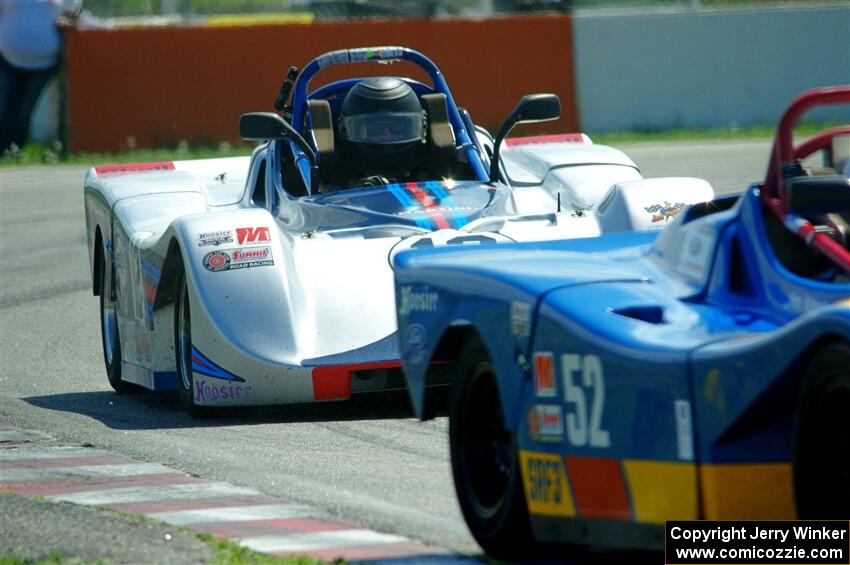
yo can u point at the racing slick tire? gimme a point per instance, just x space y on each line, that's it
822 445
109 337
485 461
183 346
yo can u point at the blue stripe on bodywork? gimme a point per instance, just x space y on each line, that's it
407 201
460 219
203 366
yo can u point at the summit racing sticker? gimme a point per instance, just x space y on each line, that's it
233 259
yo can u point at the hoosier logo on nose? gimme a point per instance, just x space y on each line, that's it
417 301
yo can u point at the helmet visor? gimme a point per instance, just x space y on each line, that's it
383 127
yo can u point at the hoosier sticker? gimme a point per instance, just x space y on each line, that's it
215 238
233 259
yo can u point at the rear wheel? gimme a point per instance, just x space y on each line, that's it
109 337
822 451
183 347
485 461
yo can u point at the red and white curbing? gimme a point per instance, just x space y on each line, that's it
94 477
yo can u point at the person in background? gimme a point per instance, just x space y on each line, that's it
30 48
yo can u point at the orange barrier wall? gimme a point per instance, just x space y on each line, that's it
156 86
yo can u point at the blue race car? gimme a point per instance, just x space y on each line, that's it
602 386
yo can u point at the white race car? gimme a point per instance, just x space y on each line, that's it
267 279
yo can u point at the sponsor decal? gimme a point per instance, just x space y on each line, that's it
695 255
251 257
212 392
684 441
520 319
252 235
216 261
546 423
544 375
545 480
665 211
215 238
234 259
415 336
411 301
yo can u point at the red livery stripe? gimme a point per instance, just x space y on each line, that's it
428 202
131 168
599 487
560 138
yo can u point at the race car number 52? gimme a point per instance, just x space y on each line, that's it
584 427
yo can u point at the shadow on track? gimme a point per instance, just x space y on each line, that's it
153 411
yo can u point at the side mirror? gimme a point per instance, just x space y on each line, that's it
531 108
268 125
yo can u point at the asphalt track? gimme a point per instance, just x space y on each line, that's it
365 461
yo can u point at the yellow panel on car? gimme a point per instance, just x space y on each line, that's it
748 491
547 490
662 490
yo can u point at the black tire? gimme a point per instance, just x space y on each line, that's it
183 347
485 461
822 446
109 338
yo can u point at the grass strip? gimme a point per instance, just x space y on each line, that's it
51 154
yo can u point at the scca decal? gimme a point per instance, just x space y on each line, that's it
546 487
251 235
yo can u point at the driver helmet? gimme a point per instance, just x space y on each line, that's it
382 128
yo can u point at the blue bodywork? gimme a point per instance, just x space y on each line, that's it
674 363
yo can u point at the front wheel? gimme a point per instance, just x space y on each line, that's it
822 451
109 337
183 347
485 461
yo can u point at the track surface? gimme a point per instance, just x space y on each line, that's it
365 461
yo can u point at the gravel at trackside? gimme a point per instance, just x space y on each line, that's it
33 529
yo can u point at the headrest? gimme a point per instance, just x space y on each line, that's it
440 135
321 121
823 194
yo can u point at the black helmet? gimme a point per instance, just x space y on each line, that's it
382 127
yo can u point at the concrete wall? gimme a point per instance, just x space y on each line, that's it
706 69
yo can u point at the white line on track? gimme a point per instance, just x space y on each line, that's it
48 473
315 541
153 492
234 514
17 453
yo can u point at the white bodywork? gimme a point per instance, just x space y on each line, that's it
319 322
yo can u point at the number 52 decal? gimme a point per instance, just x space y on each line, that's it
582 376
582 373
